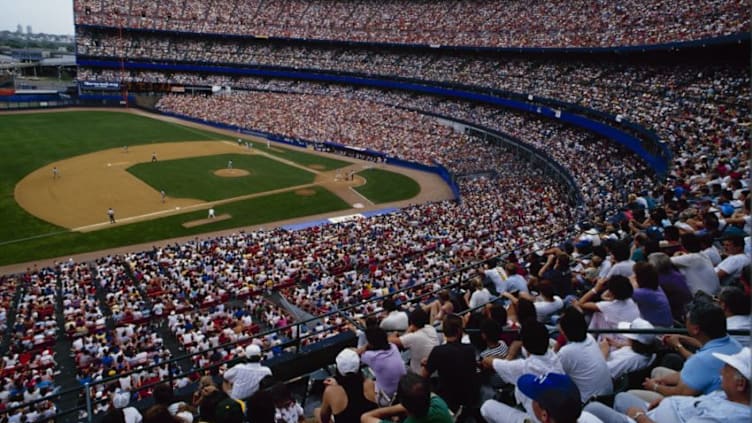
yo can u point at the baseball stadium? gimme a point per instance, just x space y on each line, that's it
356 211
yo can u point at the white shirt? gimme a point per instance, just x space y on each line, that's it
584 363
739 322
132 415
245 379
625 360
613 312
733 266
544 309
698 270
420 343
395 320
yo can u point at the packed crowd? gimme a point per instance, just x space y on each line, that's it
465 23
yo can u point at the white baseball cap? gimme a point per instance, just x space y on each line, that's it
740 361
348 361
252 350
638 323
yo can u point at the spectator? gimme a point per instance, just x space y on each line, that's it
706 325
456 367
395 320
730 269
416 402
555 398
696 267
386 363
581 357
419 339
636 352
651 300
736 306
607 314
728 404
673 283
344 396
242 380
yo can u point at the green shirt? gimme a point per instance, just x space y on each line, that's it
438 412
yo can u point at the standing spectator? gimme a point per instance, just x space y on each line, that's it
455 364
385 361
581 357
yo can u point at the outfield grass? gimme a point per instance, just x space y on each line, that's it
274 207
194 177
383 186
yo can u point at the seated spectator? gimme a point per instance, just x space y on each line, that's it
608 313
416 402
478 295
540 361
119 409
636 352
696 267
286 409
673 283
419 339
344 397
581 357
555 399
651 300
729 270
242 380
736 306
395 320
706 325
730 403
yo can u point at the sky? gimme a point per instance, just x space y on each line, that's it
48 16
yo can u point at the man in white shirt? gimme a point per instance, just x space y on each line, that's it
731 267
419 339
736 307
395 319
242 380
540 361
581 357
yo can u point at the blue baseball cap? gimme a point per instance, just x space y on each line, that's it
556 393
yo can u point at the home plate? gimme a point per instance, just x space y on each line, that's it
358 205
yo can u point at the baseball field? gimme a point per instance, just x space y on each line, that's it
60 172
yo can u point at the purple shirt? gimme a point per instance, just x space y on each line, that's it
674 285
387 366
654 306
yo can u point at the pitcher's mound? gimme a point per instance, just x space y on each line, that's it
231 173
194 223
305 192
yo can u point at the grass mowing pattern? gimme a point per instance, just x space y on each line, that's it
29 141
274 207
383 186
309 160
194 177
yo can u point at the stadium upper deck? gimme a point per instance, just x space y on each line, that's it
474 23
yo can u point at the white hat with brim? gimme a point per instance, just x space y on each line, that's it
347 361
741 361
638 323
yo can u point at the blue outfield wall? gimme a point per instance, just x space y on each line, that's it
657 162
439 170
